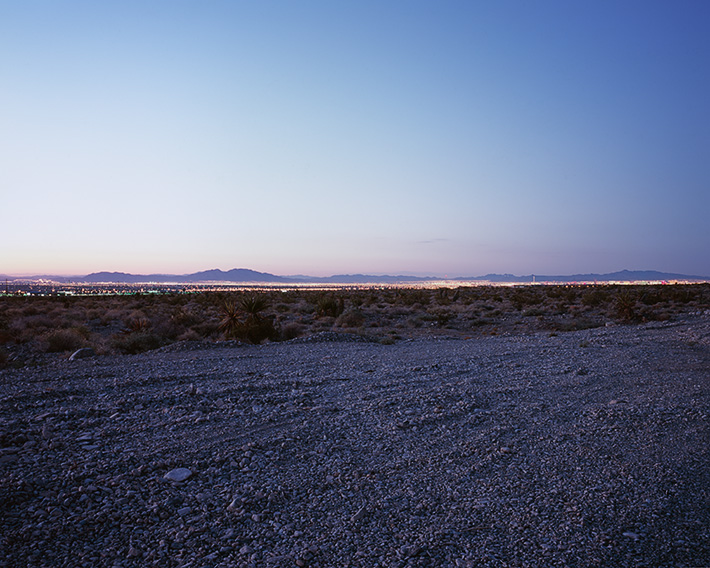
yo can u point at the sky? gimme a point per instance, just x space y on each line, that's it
455 138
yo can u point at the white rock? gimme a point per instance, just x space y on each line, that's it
82 353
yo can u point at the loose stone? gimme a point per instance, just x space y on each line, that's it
178 475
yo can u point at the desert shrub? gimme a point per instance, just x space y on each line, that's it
137 325
534 312
134 316
328 306
351 318
651 296
111 316
138 342
168 328
553 291
414 296
444 296
206 329
29 309
36 321
255 331
399 312
415 321
5 333
291 331
524 297
625 306
677 294
442 317
290 297
185 317
593 297
570 295
647 313
63 340
189 335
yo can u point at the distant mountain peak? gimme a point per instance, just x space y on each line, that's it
213 275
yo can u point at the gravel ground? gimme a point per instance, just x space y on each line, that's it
586 448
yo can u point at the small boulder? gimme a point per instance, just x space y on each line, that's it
178 475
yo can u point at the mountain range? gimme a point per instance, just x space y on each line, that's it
245 275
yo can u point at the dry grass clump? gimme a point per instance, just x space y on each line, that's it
132 324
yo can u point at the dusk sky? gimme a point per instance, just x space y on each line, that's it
430 137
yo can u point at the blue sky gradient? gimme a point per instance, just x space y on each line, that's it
456 138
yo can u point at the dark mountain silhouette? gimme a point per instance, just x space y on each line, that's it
246 275
621 276
234 275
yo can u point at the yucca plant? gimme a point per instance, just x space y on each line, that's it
625 306
230 323
253 306
243 320
137 325
328 306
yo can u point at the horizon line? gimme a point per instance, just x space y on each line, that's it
395 274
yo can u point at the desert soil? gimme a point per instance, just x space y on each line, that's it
585 448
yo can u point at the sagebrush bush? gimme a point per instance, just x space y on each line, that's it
139 342
256 331
351 318
63 340
291 331
189 335
593 297
329 306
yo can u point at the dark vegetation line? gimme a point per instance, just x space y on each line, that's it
33 326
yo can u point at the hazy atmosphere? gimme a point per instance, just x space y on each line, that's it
443 138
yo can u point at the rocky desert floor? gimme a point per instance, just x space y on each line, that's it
584 448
